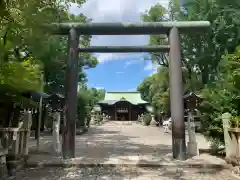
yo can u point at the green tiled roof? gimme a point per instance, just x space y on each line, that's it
132 97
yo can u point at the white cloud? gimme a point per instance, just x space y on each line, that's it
130 58
119 72
151 67
131 89
132 62
106 57
99 88
116 11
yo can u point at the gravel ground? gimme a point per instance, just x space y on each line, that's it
120 140
117 140
124 174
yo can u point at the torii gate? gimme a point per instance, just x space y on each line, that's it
172 29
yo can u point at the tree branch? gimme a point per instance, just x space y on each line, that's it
161 59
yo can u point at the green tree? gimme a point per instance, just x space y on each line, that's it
205 71
21 26
155 14
28 50
222 97
154 89
23 76
87 99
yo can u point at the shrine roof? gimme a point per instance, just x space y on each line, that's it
114 97
191 94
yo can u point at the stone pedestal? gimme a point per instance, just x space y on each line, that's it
226 117
192 148
56 128
92 121
192 144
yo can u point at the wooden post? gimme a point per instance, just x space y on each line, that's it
64 134
115 112
71 95
3 167
176 97
129 112
39 123
27 123
21 141
13 149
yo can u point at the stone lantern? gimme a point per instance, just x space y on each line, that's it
97 114
191 102
56 102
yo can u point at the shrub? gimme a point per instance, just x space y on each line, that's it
147 118
235 122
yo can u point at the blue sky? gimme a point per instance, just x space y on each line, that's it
120 75
119 71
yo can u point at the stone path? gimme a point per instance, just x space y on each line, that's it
123 143
120 142
125 174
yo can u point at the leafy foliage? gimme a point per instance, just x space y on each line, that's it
87 98
22 37
30 56
222 97
210 62
155 14
147 118
155 89
23 75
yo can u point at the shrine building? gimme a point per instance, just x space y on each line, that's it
124 106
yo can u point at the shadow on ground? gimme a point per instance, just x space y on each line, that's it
99 173
101 146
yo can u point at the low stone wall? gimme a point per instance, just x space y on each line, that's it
15 141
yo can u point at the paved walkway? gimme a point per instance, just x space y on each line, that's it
123 143
125 174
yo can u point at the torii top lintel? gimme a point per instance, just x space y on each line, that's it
142 28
